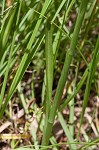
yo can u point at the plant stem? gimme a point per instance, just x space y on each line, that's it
64 74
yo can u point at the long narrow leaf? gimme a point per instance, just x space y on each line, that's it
25 60
67 132
89 81
65 70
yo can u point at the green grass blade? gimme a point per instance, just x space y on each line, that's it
49 69
34 137
26 58
13 87
71 104
67 132
59 9
9 61
78 87
6 31
92 70
49 64
65 70
22 98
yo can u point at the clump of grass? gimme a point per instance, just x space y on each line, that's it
36 36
